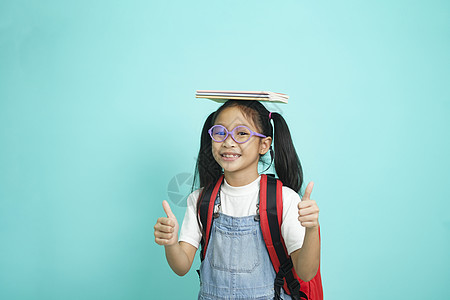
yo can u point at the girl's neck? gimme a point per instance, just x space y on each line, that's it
240 179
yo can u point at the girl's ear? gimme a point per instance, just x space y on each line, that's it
265 145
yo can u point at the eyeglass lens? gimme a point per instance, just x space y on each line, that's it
240 134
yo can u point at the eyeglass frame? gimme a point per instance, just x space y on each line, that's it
252 133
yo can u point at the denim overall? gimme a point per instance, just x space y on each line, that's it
237 264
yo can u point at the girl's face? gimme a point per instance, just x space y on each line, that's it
234 158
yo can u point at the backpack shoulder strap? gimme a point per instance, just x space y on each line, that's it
206 210
271 212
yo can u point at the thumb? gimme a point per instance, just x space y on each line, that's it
167 209
308 191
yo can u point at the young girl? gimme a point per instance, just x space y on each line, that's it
236 264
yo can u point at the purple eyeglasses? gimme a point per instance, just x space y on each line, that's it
239 134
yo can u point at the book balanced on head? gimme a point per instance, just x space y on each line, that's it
222 96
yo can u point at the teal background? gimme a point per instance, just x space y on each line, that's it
93 95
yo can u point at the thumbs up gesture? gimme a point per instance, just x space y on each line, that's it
308 211
166 229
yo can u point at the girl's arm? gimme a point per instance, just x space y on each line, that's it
179 255
306 259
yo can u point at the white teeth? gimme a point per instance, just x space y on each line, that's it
229 155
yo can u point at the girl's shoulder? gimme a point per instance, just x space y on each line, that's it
196 192
193 197
290 195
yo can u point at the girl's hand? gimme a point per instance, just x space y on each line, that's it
166 229
308 211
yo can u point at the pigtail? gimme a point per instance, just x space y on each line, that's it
286 161
207 170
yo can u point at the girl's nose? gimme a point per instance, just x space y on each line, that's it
229 142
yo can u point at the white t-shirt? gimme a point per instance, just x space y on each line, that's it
241 202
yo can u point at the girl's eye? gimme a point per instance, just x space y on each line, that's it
219 132
243 133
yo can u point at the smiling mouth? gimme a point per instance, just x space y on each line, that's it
230 157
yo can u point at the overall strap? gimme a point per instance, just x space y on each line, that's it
206 210
271 212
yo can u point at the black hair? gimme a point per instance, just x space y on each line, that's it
286 161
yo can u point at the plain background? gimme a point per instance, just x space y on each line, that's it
98 116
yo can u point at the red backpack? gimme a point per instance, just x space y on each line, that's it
270 215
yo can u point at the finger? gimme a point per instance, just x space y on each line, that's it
306 203
167 209
309 224
166 221
308 211
308 218
163 228
162 235
160 241
308 191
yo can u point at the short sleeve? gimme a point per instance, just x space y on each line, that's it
190 231
292 231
